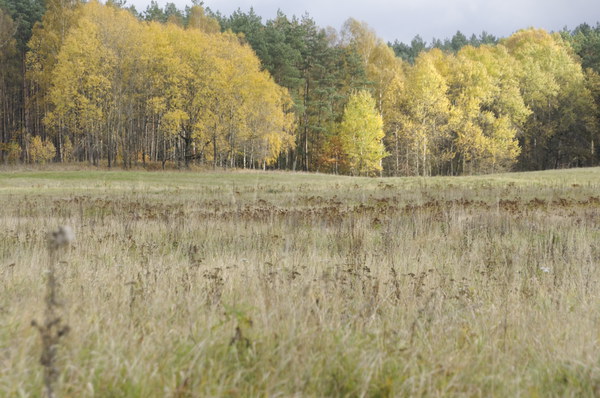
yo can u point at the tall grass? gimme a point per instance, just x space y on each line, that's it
187 285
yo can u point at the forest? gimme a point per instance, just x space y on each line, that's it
112 86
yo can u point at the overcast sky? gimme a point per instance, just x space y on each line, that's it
403 19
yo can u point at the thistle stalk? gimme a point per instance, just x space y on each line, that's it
52 329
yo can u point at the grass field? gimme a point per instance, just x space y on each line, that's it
184 284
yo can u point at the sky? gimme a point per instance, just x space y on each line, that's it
404 19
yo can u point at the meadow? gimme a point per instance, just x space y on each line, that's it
248 284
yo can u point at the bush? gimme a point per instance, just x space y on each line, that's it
11 151
41 151
67 150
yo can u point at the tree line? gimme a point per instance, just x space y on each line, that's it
110 85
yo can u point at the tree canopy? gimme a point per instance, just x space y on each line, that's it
361 134
112 85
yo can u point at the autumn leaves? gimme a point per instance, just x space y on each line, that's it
106 86
124 90
490 108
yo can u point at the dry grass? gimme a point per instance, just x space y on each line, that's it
251 284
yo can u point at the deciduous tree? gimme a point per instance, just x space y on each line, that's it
361 134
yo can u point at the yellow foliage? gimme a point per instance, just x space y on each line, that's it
12 151
41 151
361 134
198 85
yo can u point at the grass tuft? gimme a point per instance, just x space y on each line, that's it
188 284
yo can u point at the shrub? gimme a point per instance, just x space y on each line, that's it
11 151
41 151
